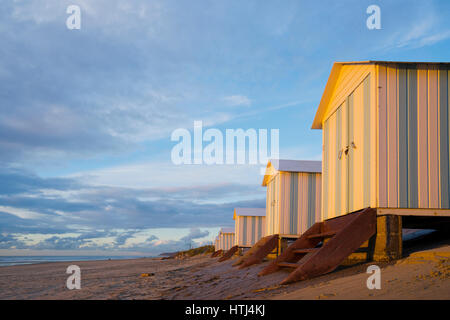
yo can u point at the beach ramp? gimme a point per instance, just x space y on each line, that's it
324 246
258 252
227 255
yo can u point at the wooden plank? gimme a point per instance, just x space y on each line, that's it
311 199
286 216
351 160
318 198
301 221
278 200
382 137
293 213
254 235
414 212
340 145
327 234
356 149
244 231
366 142
269 199
443 139
332 167
392 137
413 170
422 128
304 251
402 139
344 161
433 142
288 265
260 228
325 164
373 138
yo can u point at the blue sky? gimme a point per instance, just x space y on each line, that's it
86 115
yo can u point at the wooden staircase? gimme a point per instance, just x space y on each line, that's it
216 253
227 255
324 246
258 252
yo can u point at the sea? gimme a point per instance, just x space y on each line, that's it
21 260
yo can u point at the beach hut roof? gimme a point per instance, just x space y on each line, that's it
334 75
249 212
276 165
227 230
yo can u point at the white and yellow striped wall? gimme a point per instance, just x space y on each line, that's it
386 138
293 202
226 239
249 225
216 244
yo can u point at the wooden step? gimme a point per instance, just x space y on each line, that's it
258 252
227 255
354 229
288 265
349 233
288 255
303 251
327 234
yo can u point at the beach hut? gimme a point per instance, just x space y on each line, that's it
249 225
293 201
386 143
226 238
216 243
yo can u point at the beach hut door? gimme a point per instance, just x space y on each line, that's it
346 176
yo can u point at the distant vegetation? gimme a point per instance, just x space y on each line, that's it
195 251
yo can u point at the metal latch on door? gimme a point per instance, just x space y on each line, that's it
346 149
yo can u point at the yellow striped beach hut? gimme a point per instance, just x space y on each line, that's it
249 225
386 128
216 243
293 201
226 238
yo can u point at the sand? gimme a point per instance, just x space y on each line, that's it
423 274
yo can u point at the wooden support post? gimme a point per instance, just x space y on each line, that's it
282 245
388 241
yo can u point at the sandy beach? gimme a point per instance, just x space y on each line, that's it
423 273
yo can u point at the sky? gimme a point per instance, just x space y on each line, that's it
87 115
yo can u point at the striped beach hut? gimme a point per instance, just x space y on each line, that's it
249 225
293 201
226 238
386 138
216 243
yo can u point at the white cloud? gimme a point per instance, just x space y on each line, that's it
419 33
434 38
168 175
113 16
22 213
